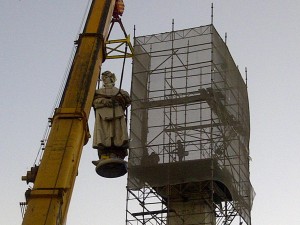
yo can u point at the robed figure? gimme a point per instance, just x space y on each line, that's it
110 130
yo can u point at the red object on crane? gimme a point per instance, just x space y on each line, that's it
119 9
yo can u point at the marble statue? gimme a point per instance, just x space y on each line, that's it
110 131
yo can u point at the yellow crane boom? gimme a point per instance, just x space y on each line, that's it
49 199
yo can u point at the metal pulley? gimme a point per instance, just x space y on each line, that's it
119 9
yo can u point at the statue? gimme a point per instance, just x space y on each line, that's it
110 131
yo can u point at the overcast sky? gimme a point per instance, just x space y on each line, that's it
36 39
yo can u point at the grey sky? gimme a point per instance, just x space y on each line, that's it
36 39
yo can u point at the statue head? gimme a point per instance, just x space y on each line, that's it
108 78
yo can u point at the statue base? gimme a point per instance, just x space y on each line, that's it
111 167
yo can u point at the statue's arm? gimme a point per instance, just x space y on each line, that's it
126 98
100 102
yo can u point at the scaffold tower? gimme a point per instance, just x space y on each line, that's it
189 150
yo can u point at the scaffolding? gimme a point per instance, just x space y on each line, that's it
189 129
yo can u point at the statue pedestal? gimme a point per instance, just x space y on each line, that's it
111 167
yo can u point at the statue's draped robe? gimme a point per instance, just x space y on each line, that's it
110 126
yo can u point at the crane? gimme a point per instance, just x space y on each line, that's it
54 178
